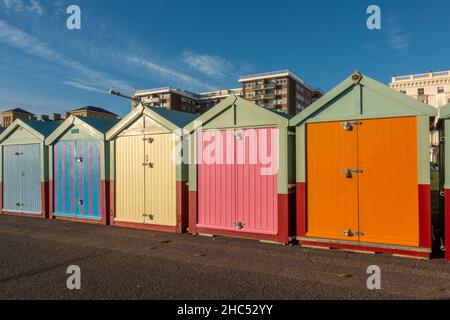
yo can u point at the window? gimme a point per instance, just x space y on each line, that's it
281 81
421 91
440 90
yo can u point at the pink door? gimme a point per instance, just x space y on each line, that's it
216 180
256 180
237 180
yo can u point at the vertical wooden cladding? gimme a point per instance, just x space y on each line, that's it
146 182
21 179
130 178
380 204
234 191
77 179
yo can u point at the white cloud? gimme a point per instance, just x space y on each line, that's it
21 40
84 86
396 37
31 6
169 73
213 66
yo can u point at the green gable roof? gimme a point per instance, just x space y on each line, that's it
40 129
101 125
444 112
170 119
43 127
236 111
362 97
178 118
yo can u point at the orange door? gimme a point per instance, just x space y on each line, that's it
388 191
332 197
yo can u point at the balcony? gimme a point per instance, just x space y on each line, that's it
421 76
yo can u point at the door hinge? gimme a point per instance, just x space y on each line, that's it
350 172
239 225
348 125
351 233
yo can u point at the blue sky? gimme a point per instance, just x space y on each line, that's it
201 45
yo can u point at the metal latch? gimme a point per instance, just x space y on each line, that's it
18 204
350 172
80 202
79 159
18 153
149 140
239 225
351 233
239 136
150 216
348 125
149 164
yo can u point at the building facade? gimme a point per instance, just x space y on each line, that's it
182 100
92 112
9 116
280 90
432 88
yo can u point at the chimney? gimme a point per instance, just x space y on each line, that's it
55 117
43 117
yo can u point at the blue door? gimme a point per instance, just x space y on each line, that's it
77 180
22 179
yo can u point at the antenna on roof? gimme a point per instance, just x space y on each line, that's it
118 94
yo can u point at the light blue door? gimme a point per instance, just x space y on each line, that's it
21 179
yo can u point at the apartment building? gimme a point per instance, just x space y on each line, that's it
432 88
182 100
280 90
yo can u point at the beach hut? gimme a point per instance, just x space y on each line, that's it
79 175
148 181
24 168
241 172
363 170
444 126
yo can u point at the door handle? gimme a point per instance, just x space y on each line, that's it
351 233
350 172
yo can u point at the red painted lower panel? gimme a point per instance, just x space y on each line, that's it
193 212
112 201
447 224
1 194
182 206
45 198
425 240
301 209
105 202
368 249
50 199
238 234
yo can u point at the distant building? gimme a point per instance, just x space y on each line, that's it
280 90
182 100
92 112
432 88
9 116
